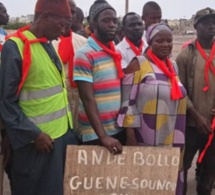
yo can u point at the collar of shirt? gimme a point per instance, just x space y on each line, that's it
124 44
93 44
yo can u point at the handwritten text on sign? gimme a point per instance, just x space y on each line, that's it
93 170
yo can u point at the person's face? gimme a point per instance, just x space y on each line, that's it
106 25
152 17
56 26
133 27
161 44
206 28
4 17
72 6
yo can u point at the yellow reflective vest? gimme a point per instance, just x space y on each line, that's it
43 97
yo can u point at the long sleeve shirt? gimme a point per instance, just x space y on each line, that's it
20 130
191 67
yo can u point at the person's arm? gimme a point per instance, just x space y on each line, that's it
129 116
19 129
181 62
124 62
84 79
131 137
202 124
87 96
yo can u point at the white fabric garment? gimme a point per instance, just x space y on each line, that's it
127 53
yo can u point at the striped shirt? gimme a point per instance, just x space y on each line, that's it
92 64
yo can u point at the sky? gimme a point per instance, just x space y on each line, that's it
172 9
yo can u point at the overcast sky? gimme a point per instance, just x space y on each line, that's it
172 9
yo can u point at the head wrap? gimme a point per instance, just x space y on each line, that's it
56 7
97 7
154 29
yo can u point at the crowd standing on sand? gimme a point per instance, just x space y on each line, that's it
112 83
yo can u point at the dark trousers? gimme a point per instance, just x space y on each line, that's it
207 172
34 173
195 141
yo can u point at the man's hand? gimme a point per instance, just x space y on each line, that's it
112 144
44 143
203 125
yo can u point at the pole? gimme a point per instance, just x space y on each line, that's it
126 6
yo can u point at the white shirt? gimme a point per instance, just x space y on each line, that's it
144 38
78 41
127 53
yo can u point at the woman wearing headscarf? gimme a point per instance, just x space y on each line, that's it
153 99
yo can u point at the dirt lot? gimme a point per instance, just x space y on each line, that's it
178 41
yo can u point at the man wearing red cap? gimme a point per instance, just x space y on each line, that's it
33 101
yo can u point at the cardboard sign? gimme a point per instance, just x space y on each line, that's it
93 170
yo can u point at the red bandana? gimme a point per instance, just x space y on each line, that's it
111 51
138 51
169 72
26 62
208 64
66 52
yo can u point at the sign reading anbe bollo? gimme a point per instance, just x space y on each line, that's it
93 170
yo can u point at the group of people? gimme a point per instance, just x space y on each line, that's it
59 88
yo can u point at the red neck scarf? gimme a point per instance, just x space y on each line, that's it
169 72
111 51
66 53
26 62
137 51
208 64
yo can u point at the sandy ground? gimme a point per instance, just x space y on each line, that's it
178 41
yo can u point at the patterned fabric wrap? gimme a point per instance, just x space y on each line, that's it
148 108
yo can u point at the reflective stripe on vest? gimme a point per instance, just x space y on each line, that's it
31 95
48 117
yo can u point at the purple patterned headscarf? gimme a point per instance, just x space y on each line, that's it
154 29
